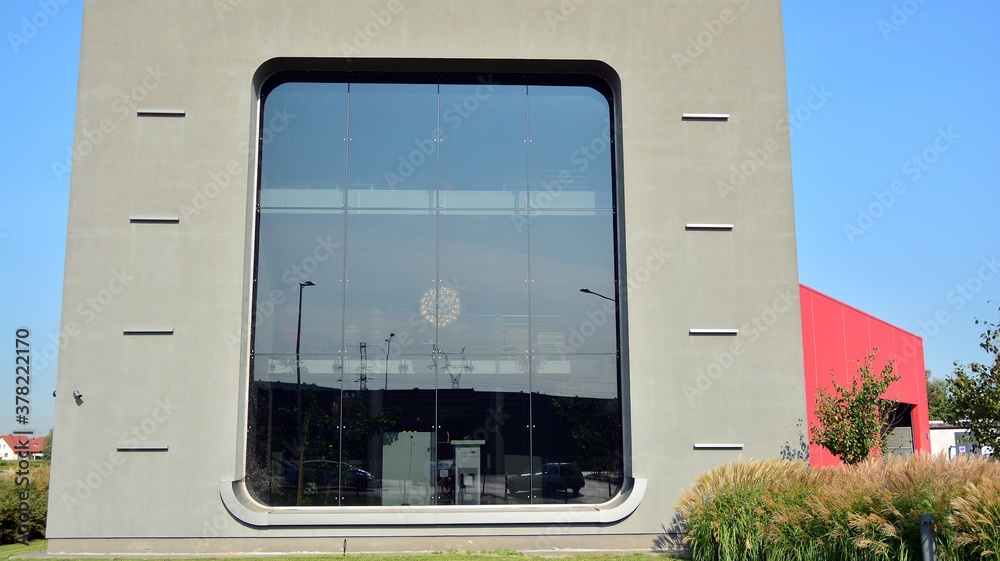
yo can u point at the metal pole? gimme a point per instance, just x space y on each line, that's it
388 343
589 291
298 396
927 536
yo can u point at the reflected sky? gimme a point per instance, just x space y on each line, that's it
387 195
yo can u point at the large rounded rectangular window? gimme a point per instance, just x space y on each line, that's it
420 333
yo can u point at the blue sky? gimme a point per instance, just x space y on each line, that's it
895 128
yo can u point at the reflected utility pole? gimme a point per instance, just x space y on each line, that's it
589 291
298 395
388 342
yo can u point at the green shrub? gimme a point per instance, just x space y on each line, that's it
728 509
36 484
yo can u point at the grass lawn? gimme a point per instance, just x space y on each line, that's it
8 551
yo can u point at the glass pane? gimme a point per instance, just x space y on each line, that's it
393 150
304 127
274 458
585 376
484 426
482 298
390 263
410 367
294 247
424 375
484 156
570 252
571 151
578 427
364 421
390 267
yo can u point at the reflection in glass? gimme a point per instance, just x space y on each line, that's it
571 147
462 219
303 133
484 156
393 145
484 258
295 246
390 263
568 252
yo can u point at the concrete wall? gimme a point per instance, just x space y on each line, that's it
144 461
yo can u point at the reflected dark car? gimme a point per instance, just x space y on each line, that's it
550 478
321 476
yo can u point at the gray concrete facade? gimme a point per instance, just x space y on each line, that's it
159 264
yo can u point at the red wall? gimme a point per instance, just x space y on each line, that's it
835 337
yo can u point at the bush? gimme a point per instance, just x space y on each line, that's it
729 509
37 487
783 510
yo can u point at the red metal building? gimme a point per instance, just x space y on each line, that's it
835 337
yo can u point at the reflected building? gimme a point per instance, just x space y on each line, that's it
420 275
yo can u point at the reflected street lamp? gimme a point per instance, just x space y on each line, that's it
589 291
298 394
388 342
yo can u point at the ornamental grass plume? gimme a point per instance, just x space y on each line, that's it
783 510
792 531
728 510
924 484
975 521
846 513
873 509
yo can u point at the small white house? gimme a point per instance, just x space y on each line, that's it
954 440
11 444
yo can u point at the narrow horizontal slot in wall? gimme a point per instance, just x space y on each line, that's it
160 113
727 332
712 117
144 448
718 446
129 332
709 227
154 219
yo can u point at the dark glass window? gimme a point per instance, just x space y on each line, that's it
419 333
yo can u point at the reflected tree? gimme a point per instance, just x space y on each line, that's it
594 431
361 425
